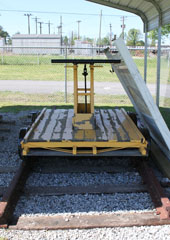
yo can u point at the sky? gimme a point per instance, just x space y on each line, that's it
71 11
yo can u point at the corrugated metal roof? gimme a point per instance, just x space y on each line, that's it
36 36
154 13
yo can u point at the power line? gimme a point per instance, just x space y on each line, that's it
63 13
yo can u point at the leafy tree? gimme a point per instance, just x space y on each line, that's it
90 40
3 33
125 36
140 43
65 40
153 35
104 41
133 37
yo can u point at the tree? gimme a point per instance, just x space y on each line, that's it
65 40
90 40
3 33
153 35
125 36
104 41
140 43
133 37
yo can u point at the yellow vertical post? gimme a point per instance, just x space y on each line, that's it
92 88
75 89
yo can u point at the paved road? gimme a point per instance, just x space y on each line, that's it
28 86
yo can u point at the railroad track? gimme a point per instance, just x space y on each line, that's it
17 188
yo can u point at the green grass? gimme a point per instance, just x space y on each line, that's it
30 68
17 101
19 98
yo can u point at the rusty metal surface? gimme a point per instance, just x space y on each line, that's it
90 189
12 194
88 221
159 198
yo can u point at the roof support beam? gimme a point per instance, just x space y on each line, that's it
158 67
124 8
146 55
158 8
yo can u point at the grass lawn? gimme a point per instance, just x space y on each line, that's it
30 68
15 102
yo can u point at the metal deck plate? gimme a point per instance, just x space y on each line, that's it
109 124
113 133
140 96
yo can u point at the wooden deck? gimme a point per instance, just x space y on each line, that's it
109 125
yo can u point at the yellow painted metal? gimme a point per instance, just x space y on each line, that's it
35 124
83 89
67 144
83 121
94 150
128 124
74 150
84 94
84 141
108 145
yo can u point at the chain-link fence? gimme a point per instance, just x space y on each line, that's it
28 78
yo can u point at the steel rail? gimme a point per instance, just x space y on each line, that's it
157 193
12 194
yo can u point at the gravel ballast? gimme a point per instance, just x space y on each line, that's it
83 203
84 179
133 233
74 204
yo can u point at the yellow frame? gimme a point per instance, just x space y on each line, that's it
107 146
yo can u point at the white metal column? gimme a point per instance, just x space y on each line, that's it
65 76
145 59
158 67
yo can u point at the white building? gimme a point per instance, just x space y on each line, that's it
36 44
84 48
2 44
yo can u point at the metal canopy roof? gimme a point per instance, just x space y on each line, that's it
154 13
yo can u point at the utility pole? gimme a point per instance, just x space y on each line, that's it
40 27
49 24
123 26
61 28
78 36
60 33
72 38
28 15
110 35
36 24
100 28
